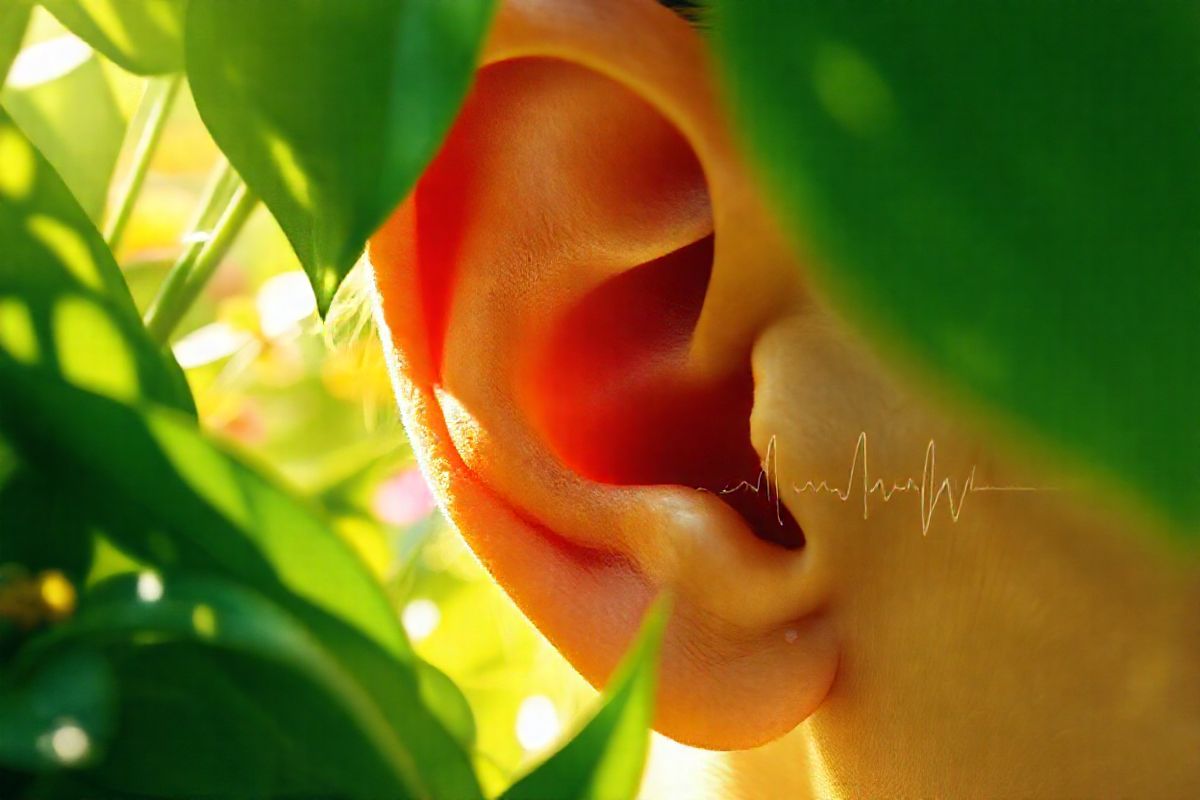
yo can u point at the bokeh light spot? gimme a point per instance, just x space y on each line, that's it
538 725
284 302
149 587
58 595
70 743
403 499
420 618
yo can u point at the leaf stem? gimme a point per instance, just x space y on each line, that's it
149 122
203 255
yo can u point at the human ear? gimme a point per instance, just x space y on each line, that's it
569 299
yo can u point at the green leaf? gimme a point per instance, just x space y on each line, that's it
43 529
606 757
53 113
14 19
172 499
142 36
59 714
64 306
1007 191
225 694
330 111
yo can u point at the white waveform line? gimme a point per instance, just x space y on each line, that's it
930 490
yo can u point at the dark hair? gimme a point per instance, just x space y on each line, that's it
691 10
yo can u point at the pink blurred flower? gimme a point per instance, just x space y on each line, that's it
403 498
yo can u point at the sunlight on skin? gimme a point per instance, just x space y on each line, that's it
1039 644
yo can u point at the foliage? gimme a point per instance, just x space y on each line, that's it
1029 175
334 140
176 620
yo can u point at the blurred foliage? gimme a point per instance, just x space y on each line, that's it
1029 175
268 604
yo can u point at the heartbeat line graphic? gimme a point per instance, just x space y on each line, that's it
929 489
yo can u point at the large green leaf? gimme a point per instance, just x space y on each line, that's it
171 498
223 693
331 110
64 306
43 528
53 113
57 714
143 36
606 757
1008 191
14 18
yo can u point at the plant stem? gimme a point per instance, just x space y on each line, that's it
199 261
151 118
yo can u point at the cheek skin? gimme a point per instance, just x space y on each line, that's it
1007 637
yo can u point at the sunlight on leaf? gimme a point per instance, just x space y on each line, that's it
606 757
91 352
55 266
143 36
331 111
47 61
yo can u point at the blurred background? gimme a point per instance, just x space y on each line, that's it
308 402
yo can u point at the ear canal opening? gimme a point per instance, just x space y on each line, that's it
617 406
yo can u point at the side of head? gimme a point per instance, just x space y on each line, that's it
620 380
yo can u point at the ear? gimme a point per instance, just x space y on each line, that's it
570 298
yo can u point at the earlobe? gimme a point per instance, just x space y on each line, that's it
571 351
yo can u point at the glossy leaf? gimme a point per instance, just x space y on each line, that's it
52 114
225 694
171 498
57 715
331 111
64 306
1007 191
143 36
606 757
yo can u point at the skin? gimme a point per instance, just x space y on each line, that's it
592 385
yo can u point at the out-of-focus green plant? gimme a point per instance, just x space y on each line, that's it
1007 191
176 619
